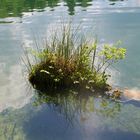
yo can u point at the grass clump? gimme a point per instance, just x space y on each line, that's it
69 60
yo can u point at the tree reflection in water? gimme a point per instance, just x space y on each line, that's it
16 8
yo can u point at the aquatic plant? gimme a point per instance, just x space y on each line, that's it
69 60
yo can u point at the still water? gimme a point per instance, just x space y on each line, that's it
25 115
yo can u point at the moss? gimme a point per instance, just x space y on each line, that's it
53 76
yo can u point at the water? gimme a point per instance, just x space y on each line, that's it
28 117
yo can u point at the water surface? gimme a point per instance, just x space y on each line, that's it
25 116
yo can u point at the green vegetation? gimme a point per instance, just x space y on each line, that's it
68 60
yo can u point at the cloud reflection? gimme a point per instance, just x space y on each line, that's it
13 91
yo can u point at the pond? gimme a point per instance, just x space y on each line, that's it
27 115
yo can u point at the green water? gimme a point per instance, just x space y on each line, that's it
28 117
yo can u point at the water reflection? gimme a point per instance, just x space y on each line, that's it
71 4
14 91
67 117
73 104
81 116
11 122
16 8
71 116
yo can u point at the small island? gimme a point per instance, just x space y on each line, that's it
69 60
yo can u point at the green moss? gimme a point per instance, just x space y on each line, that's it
58 75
